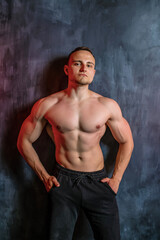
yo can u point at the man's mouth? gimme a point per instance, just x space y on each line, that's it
83 74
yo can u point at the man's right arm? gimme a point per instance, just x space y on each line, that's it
29 133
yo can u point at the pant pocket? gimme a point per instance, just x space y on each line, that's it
57 176
107 185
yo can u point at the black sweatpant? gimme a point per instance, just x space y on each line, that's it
83 190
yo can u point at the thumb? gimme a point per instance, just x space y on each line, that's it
50 182
105 180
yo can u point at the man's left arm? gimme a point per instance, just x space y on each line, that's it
122 133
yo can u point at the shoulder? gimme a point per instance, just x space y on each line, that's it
112 107
102 99
108 102
40 107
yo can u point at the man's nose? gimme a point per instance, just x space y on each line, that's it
83 68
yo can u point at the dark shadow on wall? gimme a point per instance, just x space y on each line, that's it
30 210
112 146
31 214
54 78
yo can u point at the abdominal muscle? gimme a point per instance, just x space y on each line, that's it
80 154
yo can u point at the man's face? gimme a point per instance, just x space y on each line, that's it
80 68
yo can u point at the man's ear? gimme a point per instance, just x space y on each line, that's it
66 69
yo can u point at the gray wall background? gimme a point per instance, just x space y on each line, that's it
35 37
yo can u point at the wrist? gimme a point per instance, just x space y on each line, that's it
116 178
44 178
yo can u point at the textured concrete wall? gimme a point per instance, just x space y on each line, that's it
35 37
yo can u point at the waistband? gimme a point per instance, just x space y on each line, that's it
74 174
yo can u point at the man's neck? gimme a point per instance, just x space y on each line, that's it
78 92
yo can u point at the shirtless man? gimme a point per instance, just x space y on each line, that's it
79 118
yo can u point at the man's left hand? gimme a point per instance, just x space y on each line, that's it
113 183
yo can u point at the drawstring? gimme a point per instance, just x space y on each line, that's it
78 179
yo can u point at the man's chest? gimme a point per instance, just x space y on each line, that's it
87 117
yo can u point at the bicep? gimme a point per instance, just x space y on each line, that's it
33 124
120 129
118 124
31 129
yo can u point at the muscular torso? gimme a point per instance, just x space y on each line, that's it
77 127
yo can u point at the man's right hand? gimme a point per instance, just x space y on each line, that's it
50 182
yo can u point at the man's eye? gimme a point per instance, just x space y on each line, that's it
89 65
76 64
